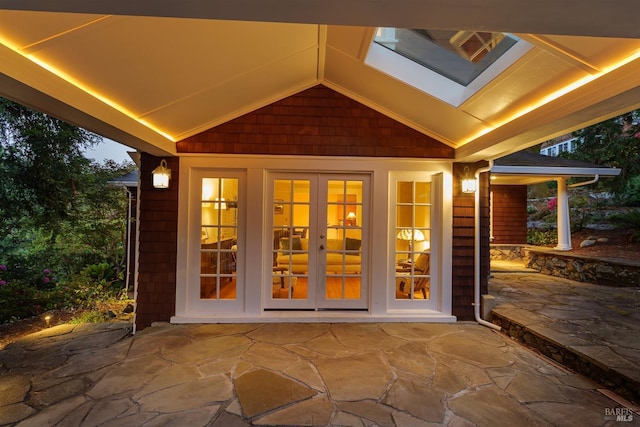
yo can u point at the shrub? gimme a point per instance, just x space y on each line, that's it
631 195
90 317
17 301
20 298
630 220
541 238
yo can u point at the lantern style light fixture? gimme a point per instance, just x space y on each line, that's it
161 175
468 182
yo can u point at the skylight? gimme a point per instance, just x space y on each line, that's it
458 55
451 65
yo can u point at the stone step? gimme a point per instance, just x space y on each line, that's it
596 362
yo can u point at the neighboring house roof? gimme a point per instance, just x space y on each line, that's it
557 140
526 167
128 180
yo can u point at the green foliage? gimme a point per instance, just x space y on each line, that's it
41 166
612 143
630 220
542 238
90 317
23 292
18 302
57 211
580 211
631 194
21 299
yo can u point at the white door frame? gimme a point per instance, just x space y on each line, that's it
316 275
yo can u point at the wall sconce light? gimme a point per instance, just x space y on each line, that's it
468 182
161 175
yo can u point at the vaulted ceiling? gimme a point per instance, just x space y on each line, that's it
148 73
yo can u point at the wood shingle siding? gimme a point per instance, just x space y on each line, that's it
316 122
509 214
464 242
158 237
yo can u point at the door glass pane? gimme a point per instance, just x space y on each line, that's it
290 239
413 240
344 240
218 238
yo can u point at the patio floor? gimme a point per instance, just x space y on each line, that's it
592 329
378 374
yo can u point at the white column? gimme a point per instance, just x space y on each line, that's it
563 220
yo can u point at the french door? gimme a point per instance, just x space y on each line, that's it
318 241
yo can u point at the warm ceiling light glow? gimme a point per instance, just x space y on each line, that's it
78 84
555 95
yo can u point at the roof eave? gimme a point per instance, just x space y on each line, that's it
553 171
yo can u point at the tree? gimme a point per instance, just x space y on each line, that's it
97 233
613 143
57 208
42 168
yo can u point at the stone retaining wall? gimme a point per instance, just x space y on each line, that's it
506 252
583 269
598 271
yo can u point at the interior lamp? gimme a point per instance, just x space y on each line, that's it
410 235
161 175
351 219
220 204
468 182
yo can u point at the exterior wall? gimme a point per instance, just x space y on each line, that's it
464 242
316 122
509 214
157 245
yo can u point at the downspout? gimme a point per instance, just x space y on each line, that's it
476 253
128 271
580 184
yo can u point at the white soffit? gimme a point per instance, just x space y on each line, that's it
149 80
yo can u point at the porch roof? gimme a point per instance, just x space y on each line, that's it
526 167
152 72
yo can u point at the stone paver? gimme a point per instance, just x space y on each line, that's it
403 374
261 391
592 329
385 374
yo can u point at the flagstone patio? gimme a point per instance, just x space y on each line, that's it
388 374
